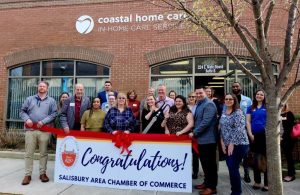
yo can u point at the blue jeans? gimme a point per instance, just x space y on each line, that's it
233 164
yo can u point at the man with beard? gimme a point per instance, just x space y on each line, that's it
244 102
39 109
205 132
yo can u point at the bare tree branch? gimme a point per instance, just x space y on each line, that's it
268 18
287 65
249 33
289 92
243 37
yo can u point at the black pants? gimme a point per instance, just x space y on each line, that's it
195 163
259 147
209 164
287 145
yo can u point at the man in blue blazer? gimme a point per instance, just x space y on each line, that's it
73 109
206 134
103 95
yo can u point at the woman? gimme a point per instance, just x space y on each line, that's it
192 106
180 120
62 97
134 104
192 102
119 117
288 143
111 102
256 123
149 112
234 140
92 119
172 94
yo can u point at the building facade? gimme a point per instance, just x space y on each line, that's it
132 43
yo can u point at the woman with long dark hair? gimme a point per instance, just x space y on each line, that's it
256 124
234 140
288 143
92 119
180 120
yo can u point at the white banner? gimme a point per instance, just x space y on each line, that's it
159 166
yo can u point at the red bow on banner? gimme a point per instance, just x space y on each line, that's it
122 140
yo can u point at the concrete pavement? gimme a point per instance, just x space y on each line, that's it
12 172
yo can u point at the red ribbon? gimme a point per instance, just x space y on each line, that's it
121 139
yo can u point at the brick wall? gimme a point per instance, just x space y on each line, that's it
34 29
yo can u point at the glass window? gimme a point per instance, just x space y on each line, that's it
174 68
88 69
27 70
19 89
59 85
181 85
92 85
61 78
58 68
249 64
210 65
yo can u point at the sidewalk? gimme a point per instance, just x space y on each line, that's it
12 173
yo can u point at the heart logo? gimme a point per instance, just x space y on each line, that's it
84 24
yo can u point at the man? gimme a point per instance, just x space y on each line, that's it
163 99
244 102
39 109
205 132
73 109
103 95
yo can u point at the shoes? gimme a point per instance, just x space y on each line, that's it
247 178
208 191
26 180
256 186
289 178
44 178
200 186
265 189
195 176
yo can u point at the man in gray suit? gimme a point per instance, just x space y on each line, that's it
73 109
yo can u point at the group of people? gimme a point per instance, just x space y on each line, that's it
232 126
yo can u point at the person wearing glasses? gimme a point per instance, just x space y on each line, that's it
234 140
244 103
120 117
256 124
191 103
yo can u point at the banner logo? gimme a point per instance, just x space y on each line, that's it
69 152
84 24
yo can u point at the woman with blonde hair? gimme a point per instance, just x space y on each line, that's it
119 117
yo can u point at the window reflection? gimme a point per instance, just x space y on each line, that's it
58 68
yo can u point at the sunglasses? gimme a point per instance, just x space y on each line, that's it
121 98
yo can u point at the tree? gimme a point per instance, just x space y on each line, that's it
220 18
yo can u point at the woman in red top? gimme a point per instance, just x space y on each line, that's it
134 104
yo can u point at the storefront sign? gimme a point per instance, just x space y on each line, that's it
159 166
131 22
210 65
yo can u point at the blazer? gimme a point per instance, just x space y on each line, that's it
67 118
102 96
205 122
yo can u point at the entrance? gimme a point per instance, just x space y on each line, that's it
217 83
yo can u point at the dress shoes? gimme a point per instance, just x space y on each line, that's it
26 180
200 186
247 178
208 191
44 178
